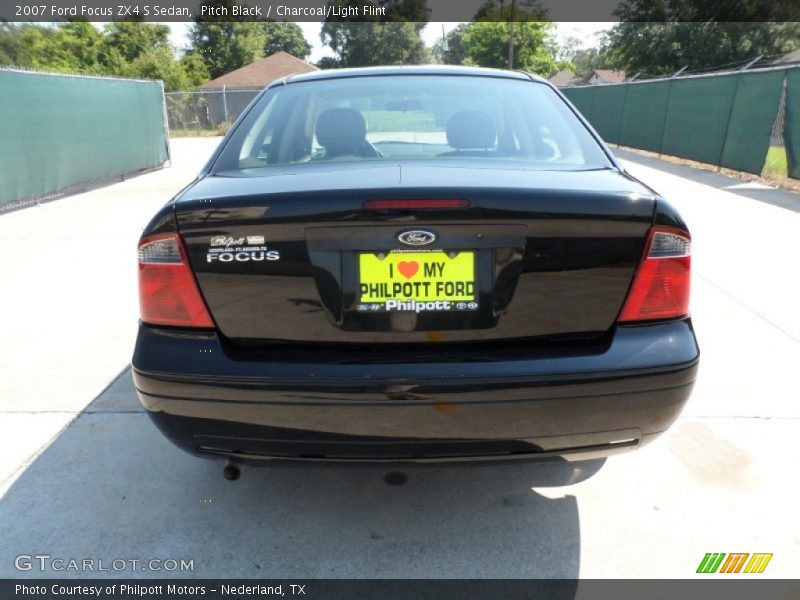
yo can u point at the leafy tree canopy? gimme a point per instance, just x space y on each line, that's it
486 44
485 41
454 53
133 49
195 68
328 62
286 37
69 47
582 61
663 48
522 10
381 41
227 43
367 44
132 39
707 11
9 43
158 64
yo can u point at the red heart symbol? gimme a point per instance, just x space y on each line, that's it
408 269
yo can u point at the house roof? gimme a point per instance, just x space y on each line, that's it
261 73
609 76
565 78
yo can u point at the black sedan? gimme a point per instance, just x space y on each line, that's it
414 264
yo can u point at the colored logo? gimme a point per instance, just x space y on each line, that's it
738 562
417 237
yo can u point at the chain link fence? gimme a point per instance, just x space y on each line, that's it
206 112
776 135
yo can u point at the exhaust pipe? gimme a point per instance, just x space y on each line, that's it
232 471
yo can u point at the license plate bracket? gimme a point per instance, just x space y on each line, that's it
416 281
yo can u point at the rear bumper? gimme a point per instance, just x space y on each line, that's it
512 403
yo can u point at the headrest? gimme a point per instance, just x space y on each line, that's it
341 127
471 130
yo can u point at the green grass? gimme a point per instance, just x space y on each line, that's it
776 165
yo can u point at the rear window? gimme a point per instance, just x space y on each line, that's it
412 117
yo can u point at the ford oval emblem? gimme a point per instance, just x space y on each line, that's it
417 237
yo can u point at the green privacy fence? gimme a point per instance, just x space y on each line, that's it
60 131
723 120
792 128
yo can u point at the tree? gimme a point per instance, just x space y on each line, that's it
486 44
195 69
410 11
10 43
567 49
132 39
581 61
393 39
226 43
327 62
138 50
158 64
586 60
78 46
124 42
498 10
455 54
367 44
70 47
143 51
485 41
657 39
706 11
282 36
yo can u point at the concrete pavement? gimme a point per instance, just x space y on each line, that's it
69 309
88 478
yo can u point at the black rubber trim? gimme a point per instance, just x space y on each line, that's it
464 384
418 403
255 458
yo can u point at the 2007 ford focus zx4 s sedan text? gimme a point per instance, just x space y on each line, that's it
413 264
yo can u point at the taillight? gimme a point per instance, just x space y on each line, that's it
416 203
660 287
168 293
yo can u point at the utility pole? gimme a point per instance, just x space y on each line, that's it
445 47
511 36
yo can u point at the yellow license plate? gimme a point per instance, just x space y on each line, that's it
417 281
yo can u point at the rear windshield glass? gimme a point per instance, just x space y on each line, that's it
393 118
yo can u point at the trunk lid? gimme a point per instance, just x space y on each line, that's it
283 257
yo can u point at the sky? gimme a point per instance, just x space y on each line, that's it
432 32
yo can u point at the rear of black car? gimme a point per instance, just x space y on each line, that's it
418 281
